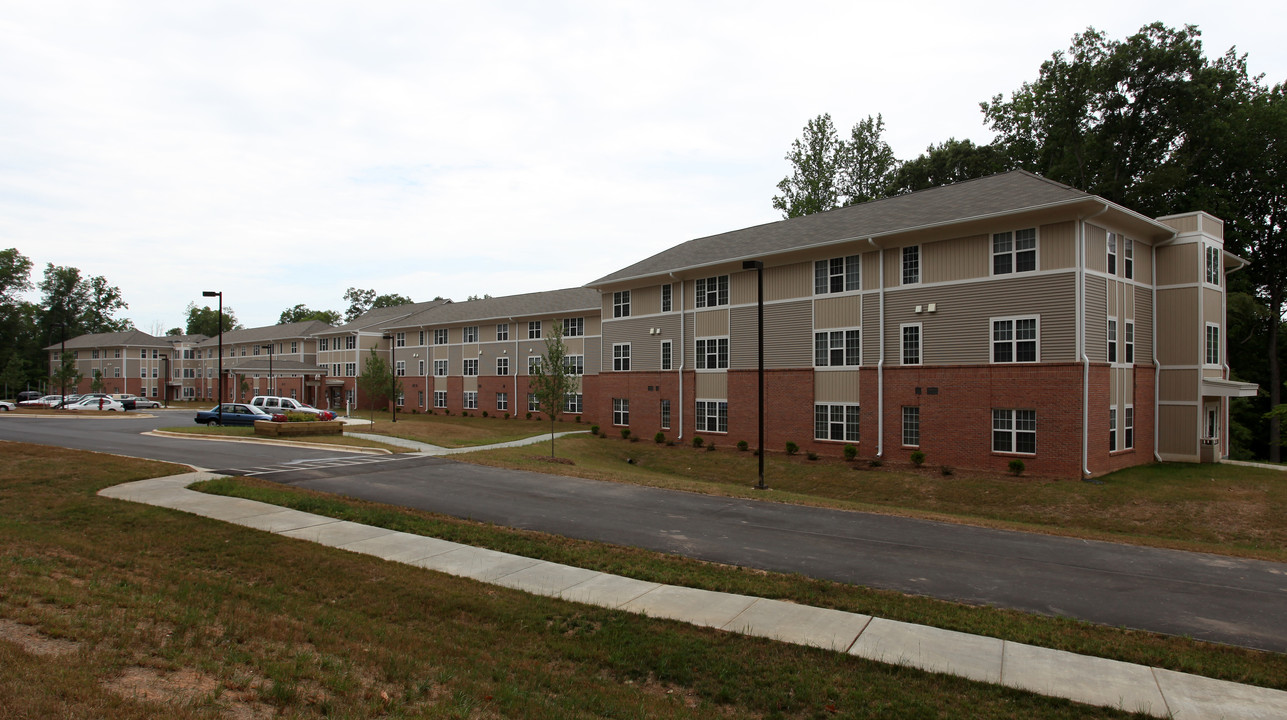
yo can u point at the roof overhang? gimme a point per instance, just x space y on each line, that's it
1217 387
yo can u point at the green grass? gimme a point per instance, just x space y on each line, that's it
1224 509
458 431
253 624
248 432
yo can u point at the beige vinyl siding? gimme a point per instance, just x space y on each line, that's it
455 354
457 335
871 270
712 323
593 358
440 352
956 259
871 319
1212 308
1178 430
471 385
575 346
439 385
787 282
788 336
1057 245
1179 335
645 349
839 312
1178 264
491 351
1096 319
741 287
713 386
894 267
1121 387
643 301
1213 226
1177 385
1213 373
1185 223
1143 325
959 330
1143 262
1097 248
836 386
593 324
1111 305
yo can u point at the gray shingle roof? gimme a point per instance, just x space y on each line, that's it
1009 192
128 338
308 328
381 317
549 302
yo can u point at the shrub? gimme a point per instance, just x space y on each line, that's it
1016 467
506 416
875 462
659 438
792 448
625 433
697 441
812 455
578 418
918 458
851 452
710 447
742 445
594 429
946 470
529 415
484 413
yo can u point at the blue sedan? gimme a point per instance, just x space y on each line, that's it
233 414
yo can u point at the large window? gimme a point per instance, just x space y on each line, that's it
911 265
911 426
440 368
440 336
469 367
712 416
1213 344
350 369
471 399
400 339
1014 251
502 366
574 364
534 330
350 343
1112 340
1014 339
712 353
471 334
401 368
572 403
835 422
712 292
667 354
836 275
620 411
911 344
621 357
837 347
1130 342
1213 264
574 327
1014 431
621 304
533 364
502 401
502 331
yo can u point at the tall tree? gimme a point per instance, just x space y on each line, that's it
552 379
15 276
867 164
361 301
301 313
205 320
78 305
947 163
815 162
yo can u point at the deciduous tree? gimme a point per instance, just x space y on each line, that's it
552 379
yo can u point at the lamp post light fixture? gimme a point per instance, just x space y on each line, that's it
393 375
219 294
758 267
272 386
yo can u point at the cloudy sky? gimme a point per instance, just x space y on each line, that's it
284 151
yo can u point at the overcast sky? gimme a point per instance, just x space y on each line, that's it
284 151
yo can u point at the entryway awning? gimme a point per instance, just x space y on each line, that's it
1216 387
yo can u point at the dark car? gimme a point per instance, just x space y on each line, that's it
29 395
233 414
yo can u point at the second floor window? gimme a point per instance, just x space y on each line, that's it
621 357
836 275
712 353
837 347
1213 345
574 364
1213 265
1112 341
1014 340
440 368
1014 252
912 265
666 355
502 366
912 344
621 304
470 367
712 292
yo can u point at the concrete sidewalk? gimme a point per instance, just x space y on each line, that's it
1091 680
427 449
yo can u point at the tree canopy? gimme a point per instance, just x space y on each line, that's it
361 301
301 313
204 320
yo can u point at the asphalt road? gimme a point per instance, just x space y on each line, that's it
1215 598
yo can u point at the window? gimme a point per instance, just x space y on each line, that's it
142 372
116 372
912 344
533 364
667 297
911 426
1112 429
574 364
471 399
835 422
350 369
422 342
502 331
350 343
1213 344
335 370
502 366
155 354
1128 258
712 416
712 353
1014 252
471 334
572 403
840 274
324 344
620 411
621 357
1112 253
621 304
400 399
469 367
254 350
420 395
1130 342
534 330
1213 264
502 401
911 265
1014 340
400 339
1112 340
1128 428
440 398
712 292
440 368
117 353
1014 431
665 414
422 370
155 372
837 347
93 354
574 327
401 368
440 336
533 405
666 355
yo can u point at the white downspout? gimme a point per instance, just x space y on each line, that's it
1081 342
880 364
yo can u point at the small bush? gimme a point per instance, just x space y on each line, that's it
578 418
946 470
625 433
792 448
812 455
484 413
918 458
529 415
756 453
710 447
659 438
1016 467
875 462
506 416
594 429
851 452
742 445
697 441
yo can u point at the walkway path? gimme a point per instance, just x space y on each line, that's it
428 449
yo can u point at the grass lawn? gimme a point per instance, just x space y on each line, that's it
113 609
1223 509
458 431
249 432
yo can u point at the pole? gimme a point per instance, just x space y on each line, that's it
219 293
62 369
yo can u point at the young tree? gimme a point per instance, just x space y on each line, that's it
66 375
377 381
96 384
552 379
815 163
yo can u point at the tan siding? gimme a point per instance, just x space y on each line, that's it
1178 264
1096 248
441 352
871 319
788 281
471 385
593 358
741 287
439 385
1178 430
1127 297
711 386
1184 223
1057 245
593 325
454 354
1143 262
1115 388
894 267
1179 338
871 270
788 336
1111 306
1143 325
956 259
836 386
643 300
1213 226
710 323
841 312
1212 373
1212 307
491 351
1096 319
645 349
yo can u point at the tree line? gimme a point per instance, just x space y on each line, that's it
1149 122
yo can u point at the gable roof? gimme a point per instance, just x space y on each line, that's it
381 317
307 328
117 339
548 302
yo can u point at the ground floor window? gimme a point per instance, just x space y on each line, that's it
420 398
1014 431
502 401
912 426
572 403
189 392
712 416
665 414
1112 429
350 399
620 411
1128 428
835 422
401 399
471 400
533 403
440 398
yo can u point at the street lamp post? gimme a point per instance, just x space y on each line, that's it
219 294
393 374
62 367
272 386
758 267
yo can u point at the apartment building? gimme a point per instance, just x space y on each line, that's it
1004 318
123 362
344 351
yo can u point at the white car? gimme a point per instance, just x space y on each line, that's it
6 406
97 403
146 403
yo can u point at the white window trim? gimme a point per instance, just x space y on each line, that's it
830 405
838 293
1013 341
920 266
920 344
615 404
1128 342
697 419
666 364
1128 424
1112 348
1110 251
1014 253
1014 434
1206 355
1208 250
666 297
699 298
902 426
844 365
624 356
696 355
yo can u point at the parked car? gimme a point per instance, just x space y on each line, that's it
233 414
126 399
6 406
146 403
276 403
42 402
105 404
28 395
